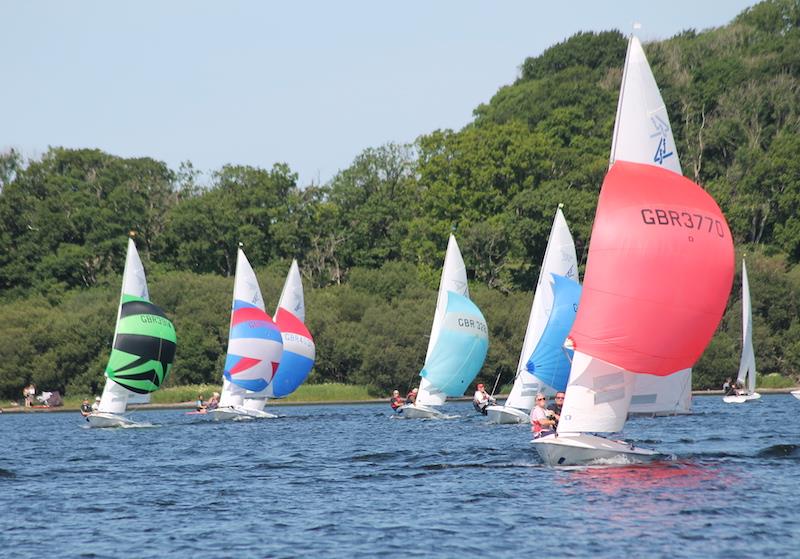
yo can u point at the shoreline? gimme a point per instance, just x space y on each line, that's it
190 405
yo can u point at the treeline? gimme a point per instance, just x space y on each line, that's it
371 241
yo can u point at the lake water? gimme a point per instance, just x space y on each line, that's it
325 481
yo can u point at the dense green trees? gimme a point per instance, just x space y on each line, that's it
371 241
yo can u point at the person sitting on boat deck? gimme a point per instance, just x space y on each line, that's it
396 401
200 403
86 408
96 405
213 402
726 386
411 397
555 407
542 420
481 399
733 389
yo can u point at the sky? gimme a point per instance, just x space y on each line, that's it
310 84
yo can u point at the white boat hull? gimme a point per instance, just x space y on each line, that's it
581 449
239 413
505 414
741 399
796 394
103 419
413 411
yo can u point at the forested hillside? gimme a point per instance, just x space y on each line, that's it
370 242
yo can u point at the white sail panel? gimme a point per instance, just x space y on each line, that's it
747 364
642 132
245 286
559 259
656 395
292 294
597 397
454 278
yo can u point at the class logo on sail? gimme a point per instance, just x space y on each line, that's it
662 133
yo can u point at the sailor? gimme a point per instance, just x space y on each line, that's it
86 408
396 401
96 405
411 397
555 407
481 399
542 420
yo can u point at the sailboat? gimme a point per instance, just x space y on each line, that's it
658 275
142 351
747 363
255 347
299 350
458 342
642 134
560 261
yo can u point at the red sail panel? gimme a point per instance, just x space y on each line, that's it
659 272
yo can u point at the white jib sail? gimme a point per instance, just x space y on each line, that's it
134 283
642 134
747 364
560 259
597 397
245 288
454 278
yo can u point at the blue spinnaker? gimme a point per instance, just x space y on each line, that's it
549 361
460 349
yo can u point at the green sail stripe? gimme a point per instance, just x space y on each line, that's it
147 325
128 298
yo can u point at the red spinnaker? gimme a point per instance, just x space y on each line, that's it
659 272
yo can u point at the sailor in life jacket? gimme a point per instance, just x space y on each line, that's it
542 420
481 399
396 402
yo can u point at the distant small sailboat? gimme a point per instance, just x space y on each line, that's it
747 363
299 350
255 347
458 342
642 134
560 261
142 351
642 310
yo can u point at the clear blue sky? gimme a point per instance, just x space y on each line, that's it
311 84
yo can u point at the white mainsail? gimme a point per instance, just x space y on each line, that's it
642 134
559 259
747 364
245 288
134 283
454 278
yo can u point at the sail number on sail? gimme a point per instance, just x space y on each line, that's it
472 323
656 216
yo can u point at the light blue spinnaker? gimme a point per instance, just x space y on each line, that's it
549 361
461 348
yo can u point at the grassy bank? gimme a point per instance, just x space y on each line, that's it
328 392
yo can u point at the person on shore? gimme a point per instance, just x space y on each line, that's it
396 401
86 408
555 407
542 420
96 405
481 399
28 393
213 402
411 397
200 404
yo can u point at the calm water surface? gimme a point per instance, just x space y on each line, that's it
324 481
